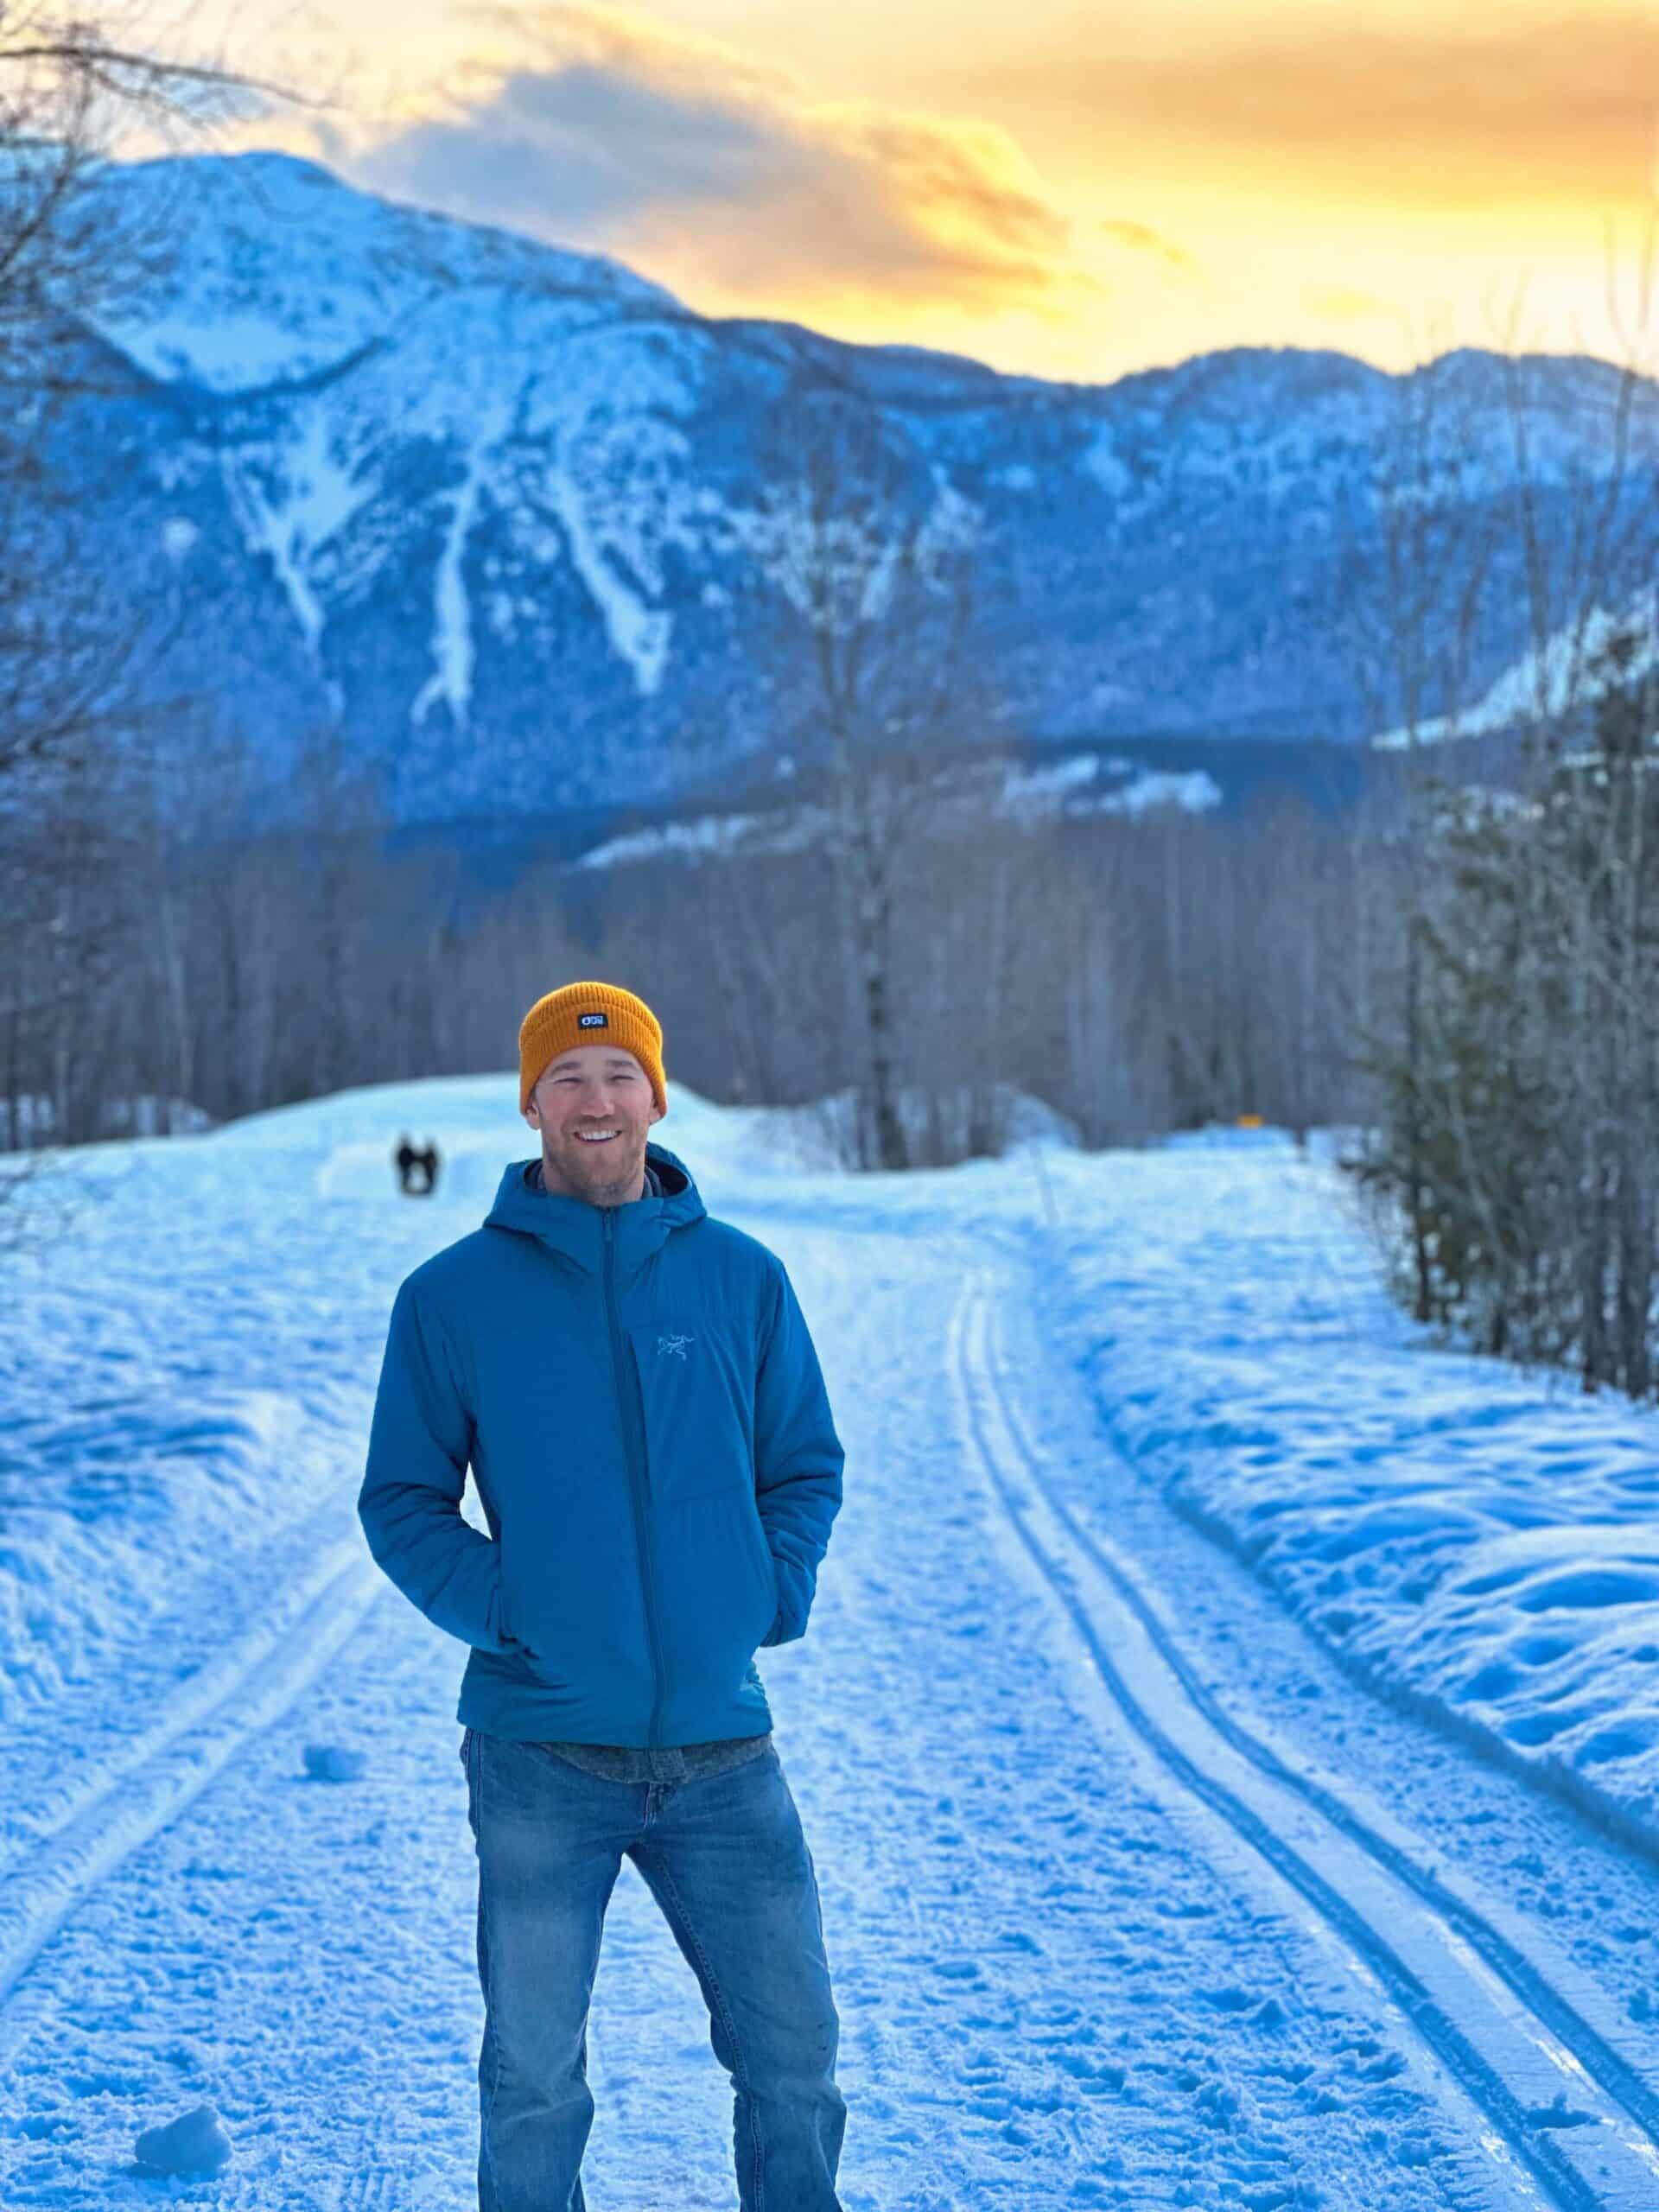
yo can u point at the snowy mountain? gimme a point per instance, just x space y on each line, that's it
489 508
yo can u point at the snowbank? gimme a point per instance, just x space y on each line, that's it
1475 1540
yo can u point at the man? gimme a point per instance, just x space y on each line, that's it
643 1409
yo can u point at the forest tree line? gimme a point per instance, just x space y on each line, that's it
1137 974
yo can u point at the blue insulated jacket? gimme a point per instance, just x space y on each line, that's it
643 1409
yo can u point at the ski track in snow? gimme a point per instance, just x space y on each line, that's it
1474 1540
1513 2043
1104 1928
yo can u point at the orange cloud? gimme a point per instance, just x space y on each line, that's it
1458 113
597 127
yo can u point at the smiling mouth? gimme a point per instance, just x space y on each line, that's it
602 1136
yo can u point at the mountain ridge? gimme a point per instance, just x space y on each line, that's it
486 506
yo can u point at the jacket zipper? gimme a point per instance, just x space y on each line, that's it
633 1435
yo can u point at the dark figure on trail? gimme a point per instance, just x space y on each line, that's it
425 1162
408 1160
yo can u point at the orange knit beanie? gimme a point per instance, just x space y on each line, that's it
589 1013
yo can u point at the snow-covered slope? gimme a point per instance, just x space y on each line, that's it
489 507
261 271
1218 1291
1481 1543
1545 686
1131 1896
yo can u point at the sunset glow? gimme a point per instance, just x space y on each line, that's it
1070 191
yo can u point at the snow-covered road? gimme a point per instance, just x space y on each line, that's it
1132 1895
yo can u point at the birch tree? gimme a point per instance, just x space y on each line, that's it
871 554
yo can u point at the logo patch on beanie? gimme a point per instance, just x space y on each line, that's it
592 1021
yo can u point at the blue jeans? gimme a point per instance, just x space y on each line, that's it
724 1856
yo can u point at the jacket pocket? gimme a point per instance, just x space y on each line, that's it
509 1611
748 1517
716 1588
571 1585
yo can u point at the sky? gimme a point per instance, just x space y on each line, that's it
1066 190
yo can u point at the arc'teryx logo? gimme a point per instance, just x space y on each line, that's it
675 1345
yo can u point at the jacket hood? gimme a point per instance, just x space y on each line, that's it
576 1228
